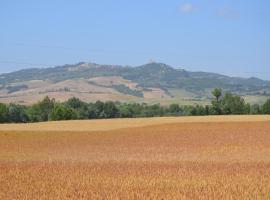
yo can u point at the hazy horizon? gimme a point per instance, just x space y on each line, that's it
227 37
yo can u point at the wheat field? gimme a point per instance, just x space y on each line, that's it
215 157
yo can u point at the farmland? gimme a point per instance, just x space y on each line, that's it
213 157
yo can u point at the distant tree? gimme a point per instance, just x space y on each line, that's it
188 110
99 110
17 113
35 114
125 110
207 110
91 111
79 106
266 107
74 108
62 112
175 109
41 111
247 108
46 106
110 110
136 109
3 113
233 104
152 110
200 110
197 110
255 109
217 93
193 111
75 103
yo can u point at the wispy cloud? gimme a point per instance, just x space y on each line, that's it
188 8
228 12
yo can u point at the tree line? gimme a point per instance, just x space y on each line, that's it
50 110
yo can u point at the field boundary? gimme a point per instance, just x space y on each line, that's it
116 124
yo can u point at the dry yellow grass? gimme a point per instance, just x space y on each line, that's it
111 124
159 158
100 89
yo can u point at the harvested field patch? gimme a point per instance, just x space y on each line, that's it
160 158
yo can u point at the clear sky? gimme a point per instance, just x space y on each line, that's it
225 36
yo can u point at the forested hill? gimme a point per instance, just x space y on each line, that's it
153 81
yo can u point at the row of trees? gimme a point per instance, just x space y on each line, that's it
50 110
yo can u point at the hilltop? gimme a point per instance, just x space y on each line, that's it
152 82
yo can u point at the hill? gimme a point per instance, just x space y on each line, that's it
152 82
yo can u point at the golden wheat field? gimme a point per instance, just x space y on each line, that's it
224 157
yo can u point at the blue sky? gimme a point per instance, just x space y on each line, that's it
224 36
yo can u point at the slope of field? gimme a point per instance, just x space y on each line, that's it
30 92
111 124
160 158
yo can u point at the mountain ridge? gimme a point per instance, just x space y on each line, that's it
155 81
92 64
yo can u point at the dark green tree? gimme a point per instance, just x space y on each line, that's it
62 112
35 114
3 113
152 110
255 109
266 107
136 109
200 110
197 110
17 113
174 109
99 110
75 103
125 111
79 106
233 104
207 110
46 106
110 110
217 93
247 108
41 111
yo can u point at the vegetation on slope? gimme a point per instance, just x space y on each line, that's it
149 75
126 90
49 109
